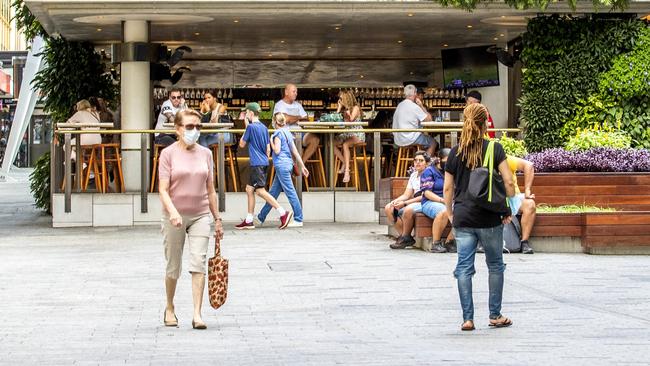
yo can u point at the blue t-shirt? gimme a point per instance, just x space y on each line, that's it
257 138
283 159
431 180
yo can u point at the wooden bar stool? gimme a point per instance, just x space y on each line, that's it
317 161
110 153
354 160
230 162
154 170
89 159
405 155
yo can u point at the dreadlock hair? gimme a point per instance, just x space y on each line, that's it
470 147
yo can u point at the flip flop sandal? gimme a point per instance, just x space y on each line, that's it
500 322
470 327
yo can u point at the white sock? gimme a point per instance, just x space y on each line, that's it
249 218
281 211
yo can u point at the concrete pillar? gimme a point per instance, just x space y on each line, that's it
135 104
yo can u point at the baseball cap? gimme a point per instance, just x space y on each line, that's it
474 94
252 106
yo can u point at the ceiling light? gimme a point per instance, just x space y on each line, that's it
197 34
329 47
445 45
99 29
361 76
410 14
503 16
337 28
399 41
281 41
501 35
496 39
270 55
411 73
469 26
236 21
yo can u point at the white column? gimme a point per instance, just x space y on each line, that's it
135 103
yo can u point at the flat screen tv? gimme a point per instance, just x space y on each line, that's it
471 67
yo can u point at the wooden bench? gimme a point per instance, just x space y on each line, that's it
624 231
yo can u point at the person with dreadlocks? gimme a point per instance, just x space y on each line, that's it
470 222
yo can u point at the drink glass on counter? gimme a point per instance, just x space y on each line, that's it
310 115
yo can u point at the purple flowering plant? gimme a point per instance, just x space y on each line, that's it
597 159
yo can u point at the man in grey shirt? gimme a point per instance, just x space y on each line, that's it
408 115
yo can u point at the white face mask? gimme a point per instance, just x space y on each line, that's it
191 137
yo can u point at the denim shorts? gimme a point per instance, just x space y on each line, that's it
416 206
515 202
432 209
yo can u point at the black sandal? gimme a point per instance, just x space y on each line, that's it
500 322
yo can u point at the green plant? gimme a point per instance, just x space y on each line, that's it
572 209
607 137
39 182
73 71
629 76
512 146
537 4
563 58
26 21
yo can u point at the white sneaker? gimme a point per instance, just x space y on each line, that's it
294 223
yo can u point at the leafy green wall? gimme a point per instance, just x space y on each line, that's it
563 60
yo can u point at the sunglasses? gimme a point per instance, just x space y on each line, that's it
191 126
175 97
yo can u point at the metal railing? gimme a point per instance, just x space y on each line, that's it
144 161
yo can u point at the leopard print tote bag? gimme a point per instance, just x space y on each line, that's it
217 277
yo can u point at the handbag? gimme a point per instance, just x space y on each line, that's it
486 188
217 277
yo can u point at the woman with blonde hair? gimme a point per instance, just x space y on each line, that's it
472 223
348 105
212 111
282 149
189 204
85 113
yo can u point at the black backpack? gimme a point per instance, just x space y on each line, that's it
512 236
486 188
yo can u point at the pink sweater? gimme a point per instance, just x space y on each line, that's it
188 171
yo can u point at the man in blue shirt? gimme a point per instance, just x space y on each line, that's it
259 150
432 184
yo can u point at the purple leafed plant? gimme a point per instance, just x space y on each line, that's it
599 159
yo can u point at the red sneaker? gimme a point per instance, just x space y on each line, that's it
285 219
245 225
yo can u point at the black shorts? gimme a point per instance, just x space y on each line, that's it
258 177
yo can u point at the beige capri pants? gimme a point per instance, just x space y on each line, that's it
198 229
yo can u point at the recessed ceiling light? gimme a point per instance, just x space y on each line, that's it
270 55
503 16
399 41
501 35
410 14
197 33
329 47
236 21
411 73
496 39
361 76
445 45
337 28
469 26
281 41
99 29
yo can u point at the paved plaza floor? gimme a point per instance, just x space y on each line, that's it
324 294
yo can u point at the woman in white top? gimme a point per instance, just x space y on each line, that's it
351 113
85 114
212 110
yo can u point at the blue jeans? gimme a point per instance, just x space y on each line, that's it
213 138
282 183
466 242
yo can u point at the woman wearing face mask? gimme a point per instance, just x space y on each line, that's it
189 207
